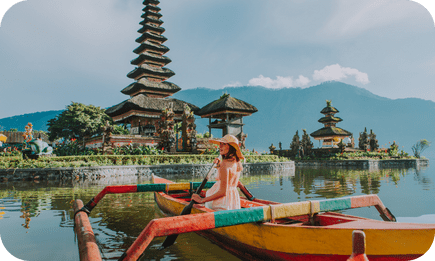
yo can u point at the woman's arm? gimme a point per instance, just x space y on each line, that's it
223 172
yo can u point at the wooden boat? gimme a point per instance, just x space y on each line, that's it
305 231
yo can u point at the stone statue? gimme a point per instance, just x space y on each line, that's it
40 147
107 131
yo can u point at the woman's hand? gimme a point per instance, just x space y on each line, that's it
217 161
197 199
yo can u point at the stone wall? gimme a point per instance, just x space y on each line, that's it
130 174
365 164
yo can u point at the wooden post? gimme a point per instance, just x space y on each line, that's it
88 248
358 246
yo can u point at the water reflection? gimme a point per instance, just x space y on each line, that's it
44 209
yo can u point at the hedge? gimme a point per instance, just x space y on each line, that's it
120 160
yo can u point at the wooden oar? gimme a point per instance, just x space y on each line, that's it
169 241
245 191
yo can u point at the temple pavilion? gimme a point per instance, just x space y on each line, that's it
228 113
331 135
150 91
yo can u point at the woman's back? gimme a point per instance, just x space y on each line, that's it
231 200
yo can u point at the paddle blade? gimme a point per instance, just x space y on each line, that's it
170 240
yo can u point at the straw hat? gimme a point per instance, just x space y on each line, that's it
230 140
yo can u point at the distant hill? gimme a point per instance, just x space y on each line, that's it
284 111
38 119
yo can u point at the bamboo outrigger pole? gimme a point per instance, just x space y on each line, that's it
197 222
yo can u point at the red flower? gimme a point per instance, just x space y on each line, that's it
152 142
73 140
163 148
368 149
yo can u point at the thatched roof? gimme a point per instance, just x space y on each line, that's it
144 84
152 28
154 2
14 137
152 46
330 131
151 13
151 8
149 35
142 102
157 71
330 119
151 57
150 19
227 103
328 108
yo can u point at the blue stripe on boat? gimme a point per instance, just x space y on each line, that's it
238 216
335 204
151 187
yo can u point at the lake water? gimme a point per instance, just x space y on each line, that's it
36 218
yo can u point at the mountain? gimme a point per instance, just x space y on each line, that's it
38 119
282 112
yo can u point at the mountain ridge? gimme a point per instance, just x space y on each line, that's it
282 112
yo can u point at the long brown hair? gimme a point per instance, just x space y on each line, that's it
232 153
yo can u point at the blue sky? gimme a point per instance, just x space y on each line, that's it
53 52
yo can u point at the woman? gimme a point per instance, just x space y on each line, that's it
224 195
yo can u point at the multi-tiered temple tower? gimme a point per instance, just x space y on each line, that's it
150 91
330 134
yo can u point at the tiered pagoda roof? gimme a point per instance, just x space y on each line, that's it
153 107
226 104
149 91
329 120
150 73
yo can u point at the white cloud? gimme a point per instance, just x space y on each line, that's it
280 82
352 18
302 81
337 73
233 84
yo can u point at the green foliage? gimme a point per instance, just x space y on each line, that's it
13 130
306 143
204 135
394 149
141 150
119 130
294 145
120 160
72 148
364 155
363 140
420 146
77 121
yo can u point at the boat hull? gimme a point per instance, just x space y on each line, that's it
301 241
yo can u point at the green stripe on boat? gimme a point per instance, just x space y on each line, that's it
335 204
151 187
207 185
238 216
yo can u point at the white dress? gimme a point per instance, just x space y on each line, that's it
231 200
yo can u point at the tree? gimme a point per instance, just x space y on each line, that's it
306 143
363 140
294 145
419 147
373 141
77 122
